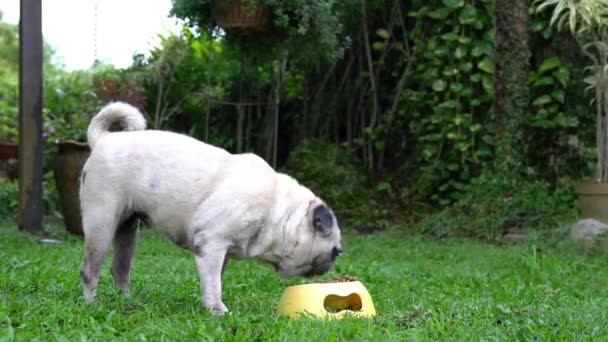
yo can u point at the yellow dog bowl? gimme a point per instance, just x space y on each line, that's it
327 300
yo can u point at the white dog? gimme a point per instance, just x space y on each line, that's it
214 203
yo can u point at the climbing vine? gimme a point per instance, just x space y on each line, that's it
449 109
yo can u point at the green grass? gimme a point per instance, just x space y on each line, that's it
422 289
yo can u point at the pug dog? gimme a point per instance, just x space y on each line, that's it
217 204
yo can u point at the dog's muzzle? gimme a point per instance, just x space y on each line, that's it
323 265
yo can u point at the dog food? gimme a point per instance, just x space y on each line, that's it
340 279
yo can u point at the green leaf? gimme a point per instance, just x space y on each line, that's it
450 37
544 123
466 91
460 52
378 46
440 14
452 136
542 100
489 139
488 84
543 81
428 153
559 95
482 47
452 4
464 40
563 75
548 64
442 51
452 104
383 186
561 120
453 167
482 153
468 15
463 146
439 85
456 87
532 76
383 33
538 25
475 128
547 32
379 145
450 72
486 65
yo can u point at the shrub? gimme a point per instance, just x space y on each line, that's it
9 197
498 203
340 180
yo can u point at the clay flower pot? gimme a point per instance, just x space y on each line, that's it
71 157
593 199
9 154
8 150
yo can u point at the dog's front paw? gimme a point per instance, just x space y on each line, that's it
89 295
218 309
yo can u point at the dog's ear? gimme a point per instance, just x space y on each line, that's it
322 219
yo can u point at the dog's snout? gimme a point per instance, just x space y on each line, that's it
336 252
319 269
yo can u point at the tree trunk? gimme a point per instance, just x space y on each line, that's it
248 125
30 117
511 93
374 94
305 111
240 109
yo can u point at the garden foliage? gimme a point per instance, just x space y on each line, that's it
377 104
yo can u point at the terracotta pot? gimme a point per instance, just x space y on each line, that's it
8 150
9 155
238 16
71 156
593 199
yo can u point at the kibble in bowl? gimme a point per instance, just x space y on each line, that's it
339 279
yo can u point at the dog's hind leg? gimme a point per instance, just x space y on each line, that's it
99 226
124 246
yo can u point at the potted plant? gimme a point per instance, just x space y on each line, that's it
68 131
9 154
9 134
8 150
587 21
69 161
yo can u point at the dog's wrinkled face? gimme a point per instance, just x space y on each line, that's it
313 246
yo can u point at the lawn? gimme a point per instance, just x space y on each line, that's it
423 289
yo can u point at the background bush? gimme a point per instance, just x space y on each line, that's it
341 180
396 124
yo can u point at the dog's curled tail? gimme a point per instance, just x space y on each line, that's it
129 118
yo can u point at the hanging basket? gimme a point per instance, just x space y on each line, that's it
236 15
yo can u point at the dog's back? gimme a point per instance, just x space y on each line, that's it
163 174
147 171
